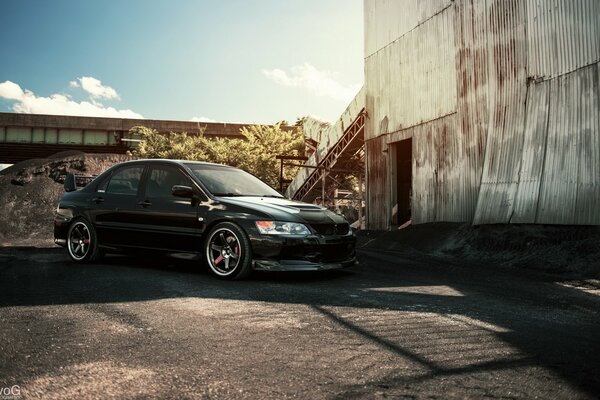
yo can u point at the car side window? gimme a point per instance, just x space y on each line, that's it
125 181
101 187
162 179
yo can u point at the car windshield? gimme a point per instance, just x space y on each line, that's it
228 181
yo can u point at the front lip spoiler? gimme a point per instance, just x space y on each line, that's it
300 265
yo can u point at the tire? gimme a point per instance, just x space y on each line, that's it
228 252
82 242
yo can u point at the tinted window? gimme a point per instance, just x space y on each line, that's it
227 181
162 179
101 187
125 181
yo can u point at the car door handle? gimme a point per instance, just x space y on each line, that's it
144 203
98 200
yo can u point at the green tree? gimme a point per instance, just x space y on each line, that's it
263 144
255 153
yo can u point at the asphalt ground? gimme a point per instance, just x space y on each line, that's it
399 325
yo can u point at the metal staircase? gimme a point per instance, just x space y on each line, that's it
346 155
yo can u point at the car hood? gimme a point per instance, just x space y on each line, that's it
283 209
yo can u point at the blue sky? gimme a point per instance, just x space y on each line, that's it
227 60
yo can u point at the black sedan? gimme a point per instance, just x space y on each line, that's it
195 210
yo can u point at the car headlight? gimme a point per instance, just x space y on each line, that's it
282 228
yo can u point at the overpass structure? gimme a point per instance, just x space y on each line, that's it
340 149
26 136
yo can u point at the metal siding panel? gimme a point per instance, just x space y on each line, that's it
472 112
376 196
448 194
388 20
558 190
447 156
562 41
421 67
51 136
37 135
561 36
508 90
587 210
437 176
534 148
18 134
440 181
424 175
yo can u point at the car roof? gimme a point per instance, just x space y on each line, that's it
170 161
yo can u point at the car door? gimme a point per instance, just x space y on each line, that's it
114 208
169 222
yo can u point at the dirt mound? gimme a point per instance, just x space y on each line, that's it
574 250
552 248
30 190
425 238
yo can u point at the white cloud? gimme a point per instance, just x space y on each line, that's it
321 83
10 90
202 119
58 104
95 88
73 84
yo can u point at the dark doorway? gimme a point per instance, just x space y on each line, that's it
403 181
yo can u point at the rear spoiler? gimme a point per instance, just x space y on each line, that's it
72 181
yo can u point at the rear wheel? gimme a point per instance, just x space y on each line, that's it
82 242
228 252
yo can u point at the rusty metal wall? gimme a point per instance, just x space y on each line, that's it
521 142
388 20
377 194
413 79
542 154
439 99
472 119
507 91
561 36
570 180
438 192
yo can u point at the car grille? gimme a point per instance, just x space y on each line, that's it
331 229
337 253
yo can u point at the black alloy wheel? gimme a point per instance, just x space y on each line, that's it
81 242
228 252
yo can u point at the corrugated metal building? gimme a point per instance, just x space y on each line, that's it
485 111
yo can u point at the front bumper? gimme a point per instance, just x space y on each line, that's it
303 253
298 265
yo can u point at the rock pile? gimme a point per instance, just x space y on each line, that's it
30 190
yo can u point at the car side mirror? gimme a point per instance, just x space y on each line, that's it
182 191
70 185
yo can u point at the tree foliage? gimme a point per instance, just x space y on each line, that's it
255 153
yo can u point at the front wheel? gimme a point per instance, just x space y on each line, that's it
228 252
82 242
